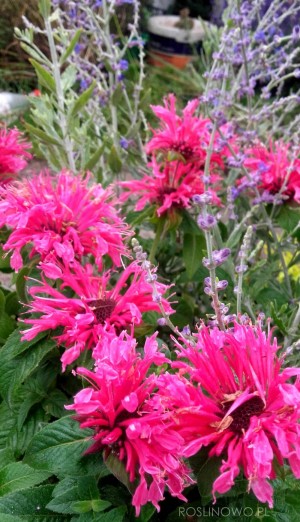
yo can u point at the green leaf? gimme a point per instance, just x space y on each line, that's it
117 96
146 512
81 102
59 448
184 314
19 439
11 518
17 476
2 302
82 506
7 326
193 246
16 369
114 162
20 283
6 457
117 468
65 493
12 305
71 46
55 403
29 505
41 135
206 470
115 515
288 218
45 8
93 160
45 78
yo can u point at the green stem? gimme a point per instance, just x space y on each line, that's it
158 236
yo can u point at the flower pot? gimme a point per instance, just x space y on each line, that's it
171 44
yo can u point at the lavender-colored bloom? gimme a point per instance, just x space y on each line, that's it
123 65
161 321
202 199
124 143
186 330
221 285
206 222
260 36
241 269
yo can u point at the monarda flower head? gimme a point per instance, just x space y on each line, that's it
186 135
275 171
13 153
170 187
117 405
250 406
102 304
63 215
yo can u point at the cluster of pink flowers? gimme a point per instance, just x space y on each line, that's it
178 150
101 307
122 407
229 394
13 154
276 171
62 215
69 226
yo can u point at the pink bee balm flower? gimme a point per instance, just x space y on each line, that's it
13 153
249 409
187 135
100 305
65 215
275 170
117 405
170 187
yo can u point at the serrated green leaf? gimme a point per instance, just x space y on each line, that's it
19 439
45 78
29 505
17 476
65 493
55 403
81 102
71 46
16 370
59 448
7 424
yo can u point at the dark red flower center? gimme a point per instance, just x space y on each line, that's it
185 150
102 308
241 416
